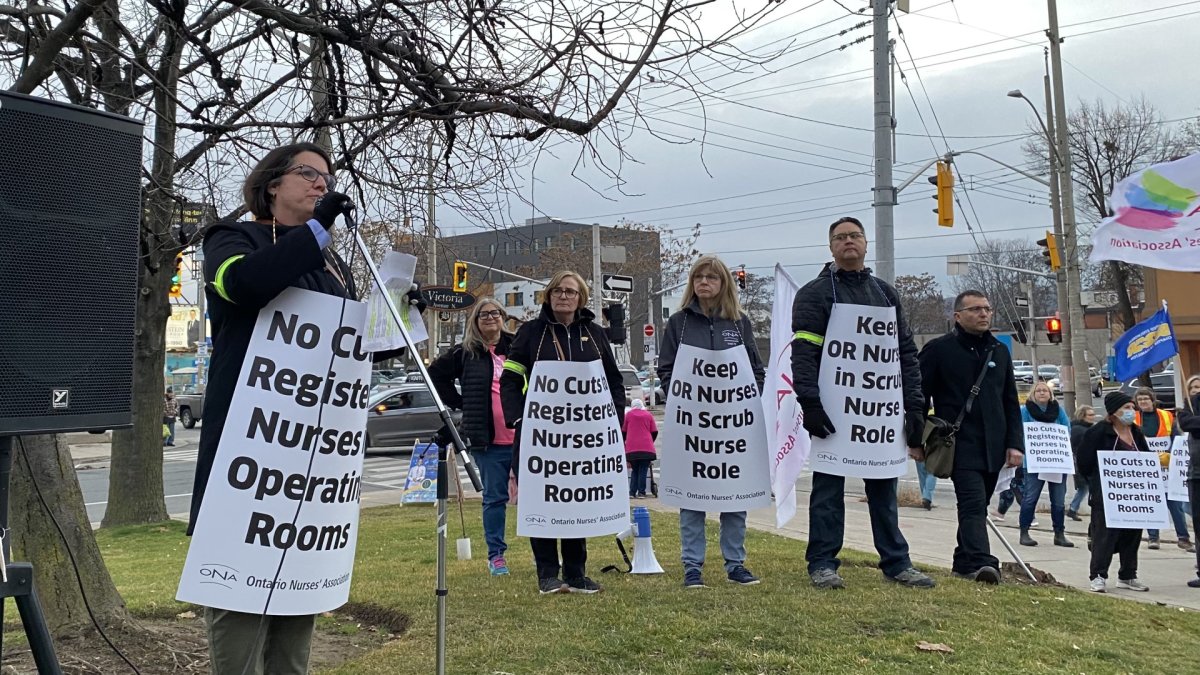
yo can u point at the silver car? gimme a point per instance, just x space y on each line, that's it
398 417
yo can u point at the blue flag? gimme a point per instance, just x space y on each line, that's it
1146 344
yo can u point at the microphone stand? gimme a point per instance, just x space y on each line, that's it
441 591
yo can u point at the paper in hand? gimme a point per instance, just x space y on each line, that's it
396 270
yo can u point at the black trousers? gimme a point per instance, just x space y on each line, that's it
1194 494
545 556
1106 543
827 523
973 490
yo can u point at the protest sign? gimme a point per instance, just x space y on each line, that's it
279 522
1134 494
789 443
862 392
420 485
714 442
1048 449
573 479
1177 472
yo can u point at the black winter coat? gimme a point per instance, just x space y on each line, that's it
245 271
581 341
691 326
810 319
1188 420
949 366
474 371
1101 437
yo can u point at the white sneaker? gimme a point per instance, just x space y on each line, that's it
1132 585
1034 524
997 516
1099 585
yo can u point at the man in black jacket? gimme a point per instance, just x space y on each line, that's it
991 436
847 280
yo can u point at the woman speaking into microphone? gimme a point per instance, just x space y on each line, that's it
564 331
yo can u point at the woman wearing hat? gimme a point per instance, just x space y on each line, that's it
1115 432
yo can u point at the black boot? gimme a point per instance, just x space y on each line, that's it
1074 515
1026 540
1060 539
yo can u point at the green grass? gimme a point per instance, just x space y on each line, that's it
651 625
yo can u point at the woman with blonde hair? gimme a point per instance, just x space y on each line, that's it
710 317
565 330
477 364
1041 407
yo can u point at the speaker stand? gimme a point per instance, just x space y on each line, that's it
19 582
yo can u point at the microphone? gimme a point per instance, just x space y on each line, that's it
341 202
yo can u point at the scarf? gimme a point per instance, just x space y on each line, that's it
1050 414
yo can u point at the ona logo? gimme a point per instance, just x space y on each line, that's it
672 490
216 573
535 519
826 457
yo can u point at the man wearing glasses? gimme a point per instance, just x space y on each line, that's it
846 289
990 437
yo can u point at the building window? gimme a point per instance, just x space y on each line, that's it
549 241
666 312
572 243
536 246
492 249
514 299
506 251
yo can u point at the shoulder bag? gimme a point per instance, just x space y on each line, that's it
939 436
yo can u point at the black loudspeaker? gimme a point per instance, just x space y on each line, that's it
70 204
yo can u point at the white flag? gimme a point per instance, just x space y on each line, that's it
786 437
1156 212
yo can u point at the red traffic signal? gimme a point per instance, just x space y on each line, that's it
1054 329
740 276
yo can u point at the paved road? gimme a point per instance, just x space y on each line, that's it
383 477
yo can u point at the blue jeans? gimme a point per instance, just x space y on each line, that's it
1029 500
1081 492
494 464
827 523
928 482
171 436
693 543
638 470
1178 519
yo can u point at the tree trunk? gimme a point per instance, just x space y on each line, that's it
44 484
135 486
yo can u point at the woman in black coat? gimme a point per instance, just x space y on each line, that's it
477 364
1115 432
564 331
1085 417
1189 421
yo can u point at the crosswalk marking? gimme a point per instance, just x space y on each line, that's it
387 472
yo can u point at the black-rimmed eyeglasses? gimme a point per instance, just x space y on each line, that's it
311 175
491 314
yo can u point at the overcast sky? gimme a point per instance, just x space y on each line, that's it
968 53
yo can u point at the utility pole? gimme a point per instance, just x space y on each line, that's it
884 193
1070 251
597 276
1027 286
431 250
1067 360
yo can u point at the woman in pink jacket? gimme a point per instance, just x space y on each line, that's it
640 431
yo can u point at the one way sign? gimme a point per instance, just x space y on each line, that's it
618 283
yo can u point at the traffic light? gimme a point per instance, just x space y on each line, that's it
740 275
460 277
1051 254
945 194
1019 332
1054 330
177 279
615 314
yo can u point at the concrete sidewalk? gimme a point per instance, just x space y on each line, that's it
932 536
94 450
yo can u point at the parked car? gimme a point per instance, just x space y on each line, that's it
1163 385
1047 372
191 406
633 386
1094 382
659 396
1023 372
399 416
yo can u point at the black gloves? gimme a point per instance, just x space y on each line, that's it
329 206
444 438
816 422
414 297
914 428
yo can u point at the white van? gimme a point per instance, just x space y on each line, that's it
633 385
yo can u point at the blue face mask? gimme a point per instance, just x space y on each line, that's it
1127 416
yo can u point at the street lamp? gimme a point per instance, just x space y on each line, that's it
1016 93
